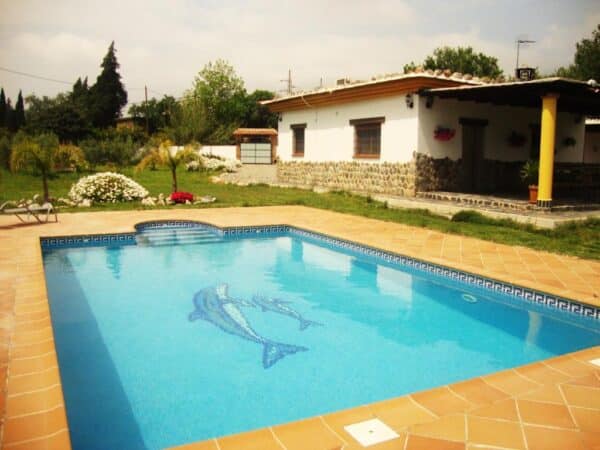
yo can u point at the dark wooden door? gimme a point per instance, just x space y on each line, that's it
472 157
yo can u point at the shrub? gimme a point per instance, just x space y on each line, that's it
119 147
69 157
106 187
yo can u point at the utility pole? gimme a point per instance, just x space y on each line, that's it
288 80
147 121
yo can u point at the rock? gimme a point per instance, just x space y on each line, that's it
149 201
85 203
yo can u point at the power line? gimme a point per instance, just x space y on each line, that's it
25 74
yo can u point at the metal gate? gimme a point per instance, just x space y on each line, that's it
255 153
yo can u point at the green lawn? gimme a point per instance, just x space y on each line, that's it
581 239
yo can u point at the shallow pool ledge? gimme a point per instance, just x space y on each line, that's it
540 405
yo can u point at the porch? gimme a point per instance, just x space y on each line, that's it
568 183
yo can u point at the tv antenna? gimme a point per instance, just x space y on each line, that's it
290 87
522 41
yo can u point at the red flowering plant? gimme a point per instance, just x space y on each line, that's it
443 134
182 197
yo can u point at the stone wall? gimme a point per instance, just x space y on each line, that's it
442 174
381 178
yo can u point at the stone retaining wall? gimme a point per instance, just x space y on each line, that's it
433 174
381 178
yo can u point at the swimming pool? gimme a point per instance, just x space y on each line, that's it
156 351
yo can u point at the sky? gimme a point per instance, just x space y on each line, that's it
164 44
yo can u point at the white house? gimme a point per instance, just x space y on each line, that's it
421 132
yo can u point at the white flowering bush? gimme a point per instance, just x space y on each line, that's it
214 162
193 166
106 187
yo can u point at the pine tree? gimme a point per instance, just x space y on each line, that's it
2 108
108 94
19 112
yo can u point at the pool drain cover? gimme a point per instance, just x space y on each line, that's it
371 432
469 298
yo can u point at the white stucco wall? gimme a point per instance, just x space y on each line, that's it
592 147
502 120
224 151
330 137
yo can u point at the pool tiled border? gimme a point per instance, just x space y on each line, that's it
519 292
463 416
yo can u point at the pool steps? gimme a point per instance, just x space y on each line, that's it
176 236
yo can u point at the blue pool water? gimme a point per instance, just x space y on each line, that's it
188 335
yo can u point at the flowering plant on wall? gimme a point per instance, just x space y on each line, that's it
516 139
443 134
182 197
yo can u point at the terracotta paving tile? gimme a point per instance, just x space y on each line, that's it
587 419
590 440
28 351
510 382
309 433
393 444
589 380
426 443
504 409
33 402
550 414
540 438
478 391
35 364
441 401
547 393
451 428
33 426
338 420
583 396
33 381
492 432
204 445
252 440
569 365
57 441
542 374
399 413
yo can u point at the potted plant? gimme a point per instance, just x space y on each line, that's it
529 174
516 139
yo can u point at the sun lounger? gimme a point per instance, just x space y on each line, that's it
33 210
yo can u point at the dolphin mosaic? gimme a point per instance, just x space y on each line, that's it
281 307
214 305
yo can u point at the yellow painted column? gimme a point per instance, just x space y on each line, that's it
547 138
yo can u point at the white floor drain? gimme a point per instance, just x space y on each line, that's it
596 362
371 432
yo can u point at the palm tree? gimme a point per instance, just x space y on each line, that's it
168 156
36 154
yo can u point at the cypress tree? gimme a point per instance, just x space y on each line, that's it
19 112
108 94
10 116
2 108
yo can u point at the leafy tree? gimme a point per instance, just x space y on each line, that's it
157 112
112 146
2 108
5 144
586 65
460 59
187 121
108 94
221 94
167 156
19 112
36 154
257 115
58 115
